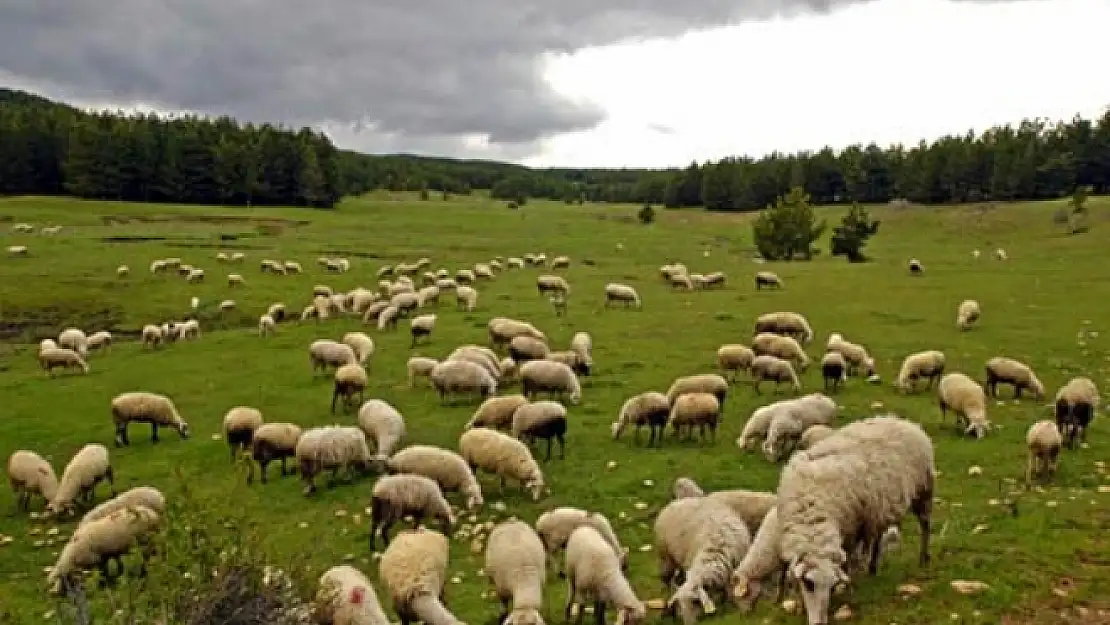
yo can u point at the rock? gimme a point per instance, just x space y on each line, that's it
966 587
655 604
979 529
843 614
645 548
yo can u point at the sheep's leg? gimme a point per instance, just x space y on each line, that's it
599 612
548 456
153 432
923 509
121 435
562 448
570 596
1017 391
876 551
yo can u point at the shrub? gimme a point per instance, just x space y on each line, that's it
850 237
788 229
646 214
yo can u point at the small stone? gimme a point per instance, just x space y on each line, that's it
216 437
303 525
456 580
645 548
965 587
1051 503
655 604
843 614
499 506
909 589
622 515
979 529
790 606
975 470
876 405
994 502
640 505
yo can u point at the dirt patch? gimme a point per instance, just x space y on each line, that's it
28 324
131 239
355 253
111 220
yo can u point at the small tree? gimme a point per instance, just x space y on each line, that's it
850 237
1077 222
646 214
787 229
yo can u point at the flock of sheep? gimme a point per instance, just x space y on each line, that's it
842 493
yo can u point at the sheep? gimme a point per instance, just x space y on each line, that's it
792 419
461 376
72 338
734 358
496 412
427 295
1044 441
346 597
53 357
525 348
593 572
446 467
484 357
750 505
502 330
767 279
466 298
515 561
1076 403
324 353
29 474
99 340
769 368
277 311
928 364
17 250
266 325
504 456
762 559
349 379
383 425
362 345
482 270
422 326
23 228
705 539
1000 254
123 271
560 262
514 262
152 335
548 376
419 366
143 407
701 383
575 360
227 304
650 408
967 314
190 329
695 409
583 344
331 447
146 496
616 292
549 284
414 569
916 268
559 304
784 347
1016 373
555 526
543 419
813 434
387 318
88 467
858 359
194 275
965 397
292 266
239 425
273 441
682 280
834 370
47 344
396 496
508 370
786 324
465 277
235 279
374 311
850 488
100 542
755 428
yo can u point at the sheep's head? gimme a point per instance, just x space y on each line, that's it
688 600
818 576
685 487
1037 387
978 427
536 486
616 428
182 428
769 448
447 519
474 497
524 616
632 615
869 366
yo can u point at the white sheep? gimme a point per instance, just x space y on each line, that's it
1044 441
145 496
123 271
387 316
101 340
965 397
190 329
277 311
334 448
1076 403
428 295
751 506
482 356
548 284
695 409
143 407
502 330
350 379
466 298
235 279
834 370
594 573
346 597
504 456
195 275
1015 373
88 467
769 368
767 279
1000 254
927 364
461 376
446 467
397 496
53 357
384 427
324 353
29 474
813 434
784 347
967 314
414 570
266 325
239 425
496 412
515 566
421 327
17 250
273 441
75 339
650 408
858 359
551 377
916 268
100 542
700 383
616 292
555 526
542 419
733 358
525 348
227 304
785 323
764 557
792 419
583 344
419 367
755 428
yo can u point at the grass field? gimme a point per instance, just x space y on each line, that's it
1046 305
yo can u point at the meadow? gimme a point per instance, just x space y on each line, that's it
1044 554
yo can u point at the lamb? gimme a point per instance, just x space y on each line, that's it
53 357
331 447
88 467
714 279
152 335
704 538
100 340
763 558
446 467
928 364
834 370
734 358
195 275
143 407
1000 254
784 347
792 419
324 353
857 357
496 412
594 572
525 348
695 409
767 279
964 396
701 383
548 284
145 496
239 425
543 419
419 367
190 329
786 324
383 425
292 266
482 270
1044 441
374 311
650 408
755 428
414 569
504 456
350 379
29 474
461 376
616 292
396 496
1076 403
100 542
560 262
72 338
362 345
751 506
548 376
850 488
1013 372
266 325
273 441
346 597
555 526
405 302
47 344
769 368
515 566
466 298
967 314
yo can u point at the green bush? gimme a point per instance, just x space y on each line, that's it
788 229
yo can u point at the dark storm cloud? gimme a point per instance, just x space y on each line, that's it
408 72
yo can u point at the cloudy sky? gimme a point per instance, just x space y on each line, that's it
574 82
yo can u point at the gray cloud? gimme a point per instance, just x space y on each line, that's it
382 74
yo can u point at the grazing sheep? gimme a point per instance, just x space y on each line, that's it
555 526
266 325
324 353
1076 403
496 412
273 441
195 275
239 425
764 557
446 467
784 347
23 228
362 345
397 496
99 340
29 474
484 357
414 569
858 359
146 496
504 456
548 376
964 396
346 597
88 467
331 447
525 348
695 409
650 408
1000 254
575 360
734 358
769 368
465 277
466 298
123 271
152 335
387 317
17 250
100 542
593 572
560 262
834 370
767 279
502 330
234 279
422 327
72 338
227 304
616 292
700 383
190 329
1013 372
548 284
967 314
751 506
792 419
277 311
383 425
53 357
813 434
928 364
916 268
419 367
350 379
545 420
515 566
789 324
583 344
1044 441
755 428
461 376
143 407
